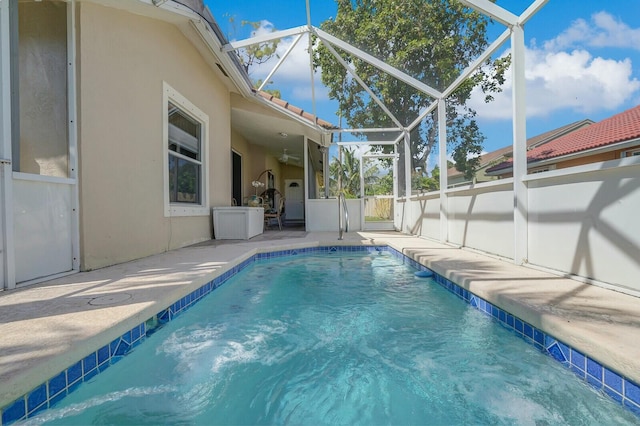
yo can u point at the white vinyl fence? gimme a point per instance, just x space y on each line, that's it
582 220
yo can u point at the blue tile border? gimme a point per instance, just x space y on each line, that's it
53 390
619 388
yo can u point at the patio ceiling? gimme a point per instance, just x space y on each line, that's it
266 126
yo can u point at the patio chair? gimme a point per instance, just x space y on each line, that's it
275 214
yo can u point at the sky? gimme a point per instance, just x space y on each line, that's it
582 61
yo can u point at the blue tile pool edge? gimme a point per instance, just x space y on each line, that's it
616 386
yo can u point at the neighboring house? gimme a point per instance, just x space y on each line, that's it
615 137
496 157
128 121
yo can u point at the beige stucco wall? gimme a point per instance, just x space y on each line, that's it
123 60
290 172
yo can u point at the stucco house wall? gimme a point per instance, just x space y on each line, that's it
123 61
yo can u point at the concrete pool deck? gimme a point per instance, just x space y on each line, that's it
47 327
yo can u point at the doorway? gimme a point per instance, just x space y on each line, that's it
236 178
294 199
376 187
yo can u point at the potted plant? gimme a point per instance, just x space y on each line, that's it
256 201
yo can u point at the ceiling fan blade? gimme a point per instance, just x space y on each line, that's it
285 157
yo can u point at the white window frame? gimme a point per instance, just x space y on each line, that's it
630 153
169 94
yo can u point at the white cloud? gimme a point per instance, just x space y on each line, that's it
602 31
296 65
561 74
293 76
559 78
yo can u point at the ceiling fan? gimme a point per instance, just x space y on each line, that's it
284 158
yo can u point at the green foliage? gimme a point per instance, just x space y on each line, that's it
381 186
349 171
273 92
258 53
432 41
423 183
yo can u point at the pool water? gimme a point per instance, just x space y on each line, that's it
346 338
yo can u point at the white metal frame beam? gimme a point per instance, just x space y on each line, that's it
264 38
7 258
362 84
281 61
407 163
530 11
514 31
493 47
492 10
311 72
369 130
442 163
420 117
381 65
520 201
73 133
353 143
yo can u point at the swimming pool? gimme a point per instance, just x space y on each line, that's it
335 338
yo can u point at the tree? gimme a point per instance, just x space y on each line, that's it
422 182
257 54
432 41
383 185
349 170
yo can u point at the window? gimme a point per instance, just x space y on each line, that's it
185 141
542 169
42 137
631 153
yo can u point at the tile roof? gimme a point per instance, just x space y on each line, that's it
618 128
295 110
532 142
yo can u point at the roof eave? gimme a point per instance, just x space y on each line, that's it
552 160
212 37
324 133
